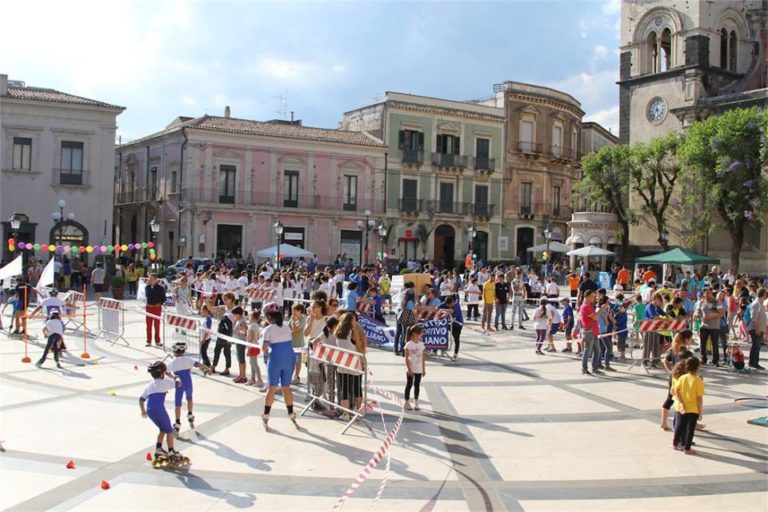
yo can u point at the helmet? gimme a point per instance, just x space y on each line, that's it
156 369
54 292
54 314
179 346
270 307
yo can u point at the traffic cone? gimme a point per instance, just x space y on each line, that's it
149 456
71 464
105 485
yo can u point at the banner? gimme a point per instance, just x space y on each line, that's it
436 332
378 334
12 269
604 280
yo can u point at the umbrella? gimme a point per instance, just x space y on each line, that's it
553 247
590 250
287 250
679 256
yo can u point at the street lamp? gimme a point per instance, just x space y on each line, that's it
365 227
471 232
278 235
382 230
154 225
58 218
548 237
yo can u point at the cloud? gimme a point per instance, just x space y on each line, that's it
600 52
611 7
598 94
608 118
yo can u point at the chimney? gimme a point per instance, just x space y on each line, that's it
226 111
3 85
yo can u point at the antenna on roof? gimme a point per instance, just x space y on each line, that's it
283 110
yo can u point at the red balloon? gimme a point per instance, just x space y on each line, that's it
150 244
44 247
11 241
81 250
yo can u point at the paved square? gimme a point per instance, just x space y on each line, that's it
501 429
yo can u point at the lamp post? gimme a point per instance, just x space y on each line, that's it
278 236
154 225
382 230
547 256
15 222
365 228
58 217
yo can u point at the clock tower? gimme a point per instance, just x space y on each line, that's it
682 61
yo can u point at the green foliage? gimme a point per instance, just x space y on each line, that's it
725 160
117 282
406 271
423 232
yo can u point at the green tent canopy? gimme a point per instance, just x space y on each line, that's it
679 257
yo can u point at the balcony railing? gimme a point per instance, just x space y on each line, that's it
545 211
531 148
557 151
449 160
527 209
438 206
483 163
482 210
410 205
411 156
71 177
244 198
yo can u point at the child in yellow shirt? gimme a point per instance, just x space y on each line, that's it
688 390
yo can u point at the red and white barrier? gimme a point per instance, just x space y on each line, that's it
668 324
185 329
112 320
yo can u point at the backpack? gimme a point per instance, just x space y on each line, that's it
225 326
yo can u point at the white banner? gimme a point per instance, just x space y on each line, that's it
12 269
46 279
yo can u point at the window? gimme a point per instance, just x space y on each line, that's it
666 50
653 53
526 136
448 144
173 182
152 182
410 194
227 184
446 198
526 193
733 46
574 144
291 189
71 171
482 152
350 193
724 49
557 140
411 140
481 201
22 151
556 200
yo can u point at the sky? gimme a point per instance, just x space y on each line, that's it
165 58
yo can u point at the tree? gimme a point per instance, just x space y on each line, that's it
605 182
653 173
725 164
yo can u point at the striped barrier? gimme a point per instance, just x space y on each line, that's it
111 320
260 294
185 330
668 324
72 301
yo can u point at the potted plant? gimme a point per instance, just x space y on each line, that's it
118 284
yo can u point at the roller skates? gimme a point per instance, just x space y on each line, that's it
161 459
176 429
177 460
265 421
191 420
292 417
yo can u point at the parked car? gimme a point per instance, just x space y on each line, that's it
198 263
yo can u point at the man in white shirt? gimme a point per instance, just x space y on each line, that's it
97 279
757 327
50 304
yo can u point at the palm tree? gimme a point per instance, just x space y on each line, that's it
424 232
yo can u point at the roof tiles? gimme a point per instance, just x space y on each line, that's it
54 96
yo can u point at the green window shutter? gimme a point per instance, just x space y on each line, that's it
439 147
456 145
401 139
421 141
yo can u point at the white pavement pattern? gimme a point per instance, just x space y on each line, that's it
501 429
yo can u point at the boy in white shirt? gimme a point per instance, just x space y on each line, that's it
54 330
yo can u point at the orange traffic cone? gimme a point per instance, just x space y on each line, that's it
104 485
71 464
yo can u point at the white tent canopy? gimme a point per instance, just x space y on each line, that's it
553 247
589 251
287 250
13 268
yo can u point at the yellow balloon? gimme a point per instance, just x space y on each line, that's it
124 247
89 249
51 248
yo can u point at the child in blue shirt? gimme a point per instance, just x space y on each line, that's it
567 324
154 398
620 316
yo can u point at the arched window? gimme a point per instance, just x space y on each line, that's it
69 232
652 52
724 49
733 46
666 50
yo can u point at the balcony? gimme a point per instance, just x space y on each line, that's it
529 148
484 164
412 157
482 210
558 152
71 177
527 210
410 205
441 207
247 198
544 211
449 161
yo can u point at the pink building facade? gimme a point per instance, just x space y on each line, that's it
217 186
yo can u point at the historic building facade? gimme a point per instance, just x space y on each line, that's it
56 147
683 61
541 163
217 185
444 176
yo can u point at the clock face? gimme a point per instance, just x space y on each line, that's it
657 109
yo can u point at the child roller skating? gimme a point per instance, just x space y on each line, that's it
181 368
154 397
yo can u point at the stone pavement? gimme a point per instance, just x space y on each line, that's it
501 429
